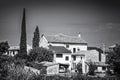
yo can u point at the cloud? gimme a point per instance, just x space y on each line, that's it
108 26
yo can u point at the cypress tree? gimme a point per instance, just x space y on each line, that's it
23 45
36 38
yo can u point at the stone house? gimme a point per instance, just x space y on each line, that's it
70 50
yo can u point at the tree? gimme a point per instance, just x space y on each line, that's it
4 46
92 68
113 59
23 45
40 54
36 38
79 68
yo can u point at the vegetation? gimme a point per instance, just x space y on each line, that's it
4 46
79 68
23 45
113 59
3 59
36 38
40 54
92 68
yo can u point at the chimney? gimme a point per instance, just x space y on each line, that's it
79 34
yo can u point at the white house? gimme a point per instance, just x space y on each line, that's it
71 50
67 49
13 50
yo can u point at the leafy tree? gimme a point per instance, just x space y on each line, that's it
4 46
40 54
23 46
92 68
3 59
36 38
79 68
113 59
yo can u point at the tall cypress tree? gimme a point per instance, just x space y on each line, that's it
23 45
36 38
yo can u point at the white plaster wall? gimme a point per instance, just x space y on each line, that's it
71 46
78 59
103 58
43 42
56 44
62 60
81 47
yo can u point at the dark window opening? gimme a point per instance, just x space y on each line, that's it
74 58
81 58
74 50
59 55
66 58
78 49
67 46
103 68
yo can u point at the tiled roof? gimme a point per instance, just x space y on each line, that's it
59 49
95 48
61 38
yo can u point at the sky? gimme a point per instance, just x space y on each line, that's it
98 21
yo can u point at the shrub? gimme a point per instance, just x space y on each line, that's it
92 68
79 68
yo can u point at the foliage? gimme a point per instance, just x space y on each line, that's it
79 68
40 54
3 59
36 38
4 46
113 59
92 68
23 46
83 77
18 72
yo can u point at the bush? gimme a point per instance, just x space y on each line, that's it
40 54
92 68
79 68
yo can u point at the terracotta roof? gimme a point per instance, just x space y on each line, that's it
59 49
61 38
95 48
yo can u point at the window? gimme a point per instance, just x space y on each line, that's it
78 49
103 68
74 58
59 55
74 65
81 58
67 46
66 58
74 50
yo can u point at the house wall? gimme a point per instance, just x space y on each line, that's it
79 59
71 46
103 57
43 42
63 60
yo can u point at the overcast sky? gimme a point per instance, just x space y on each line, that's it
97 20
